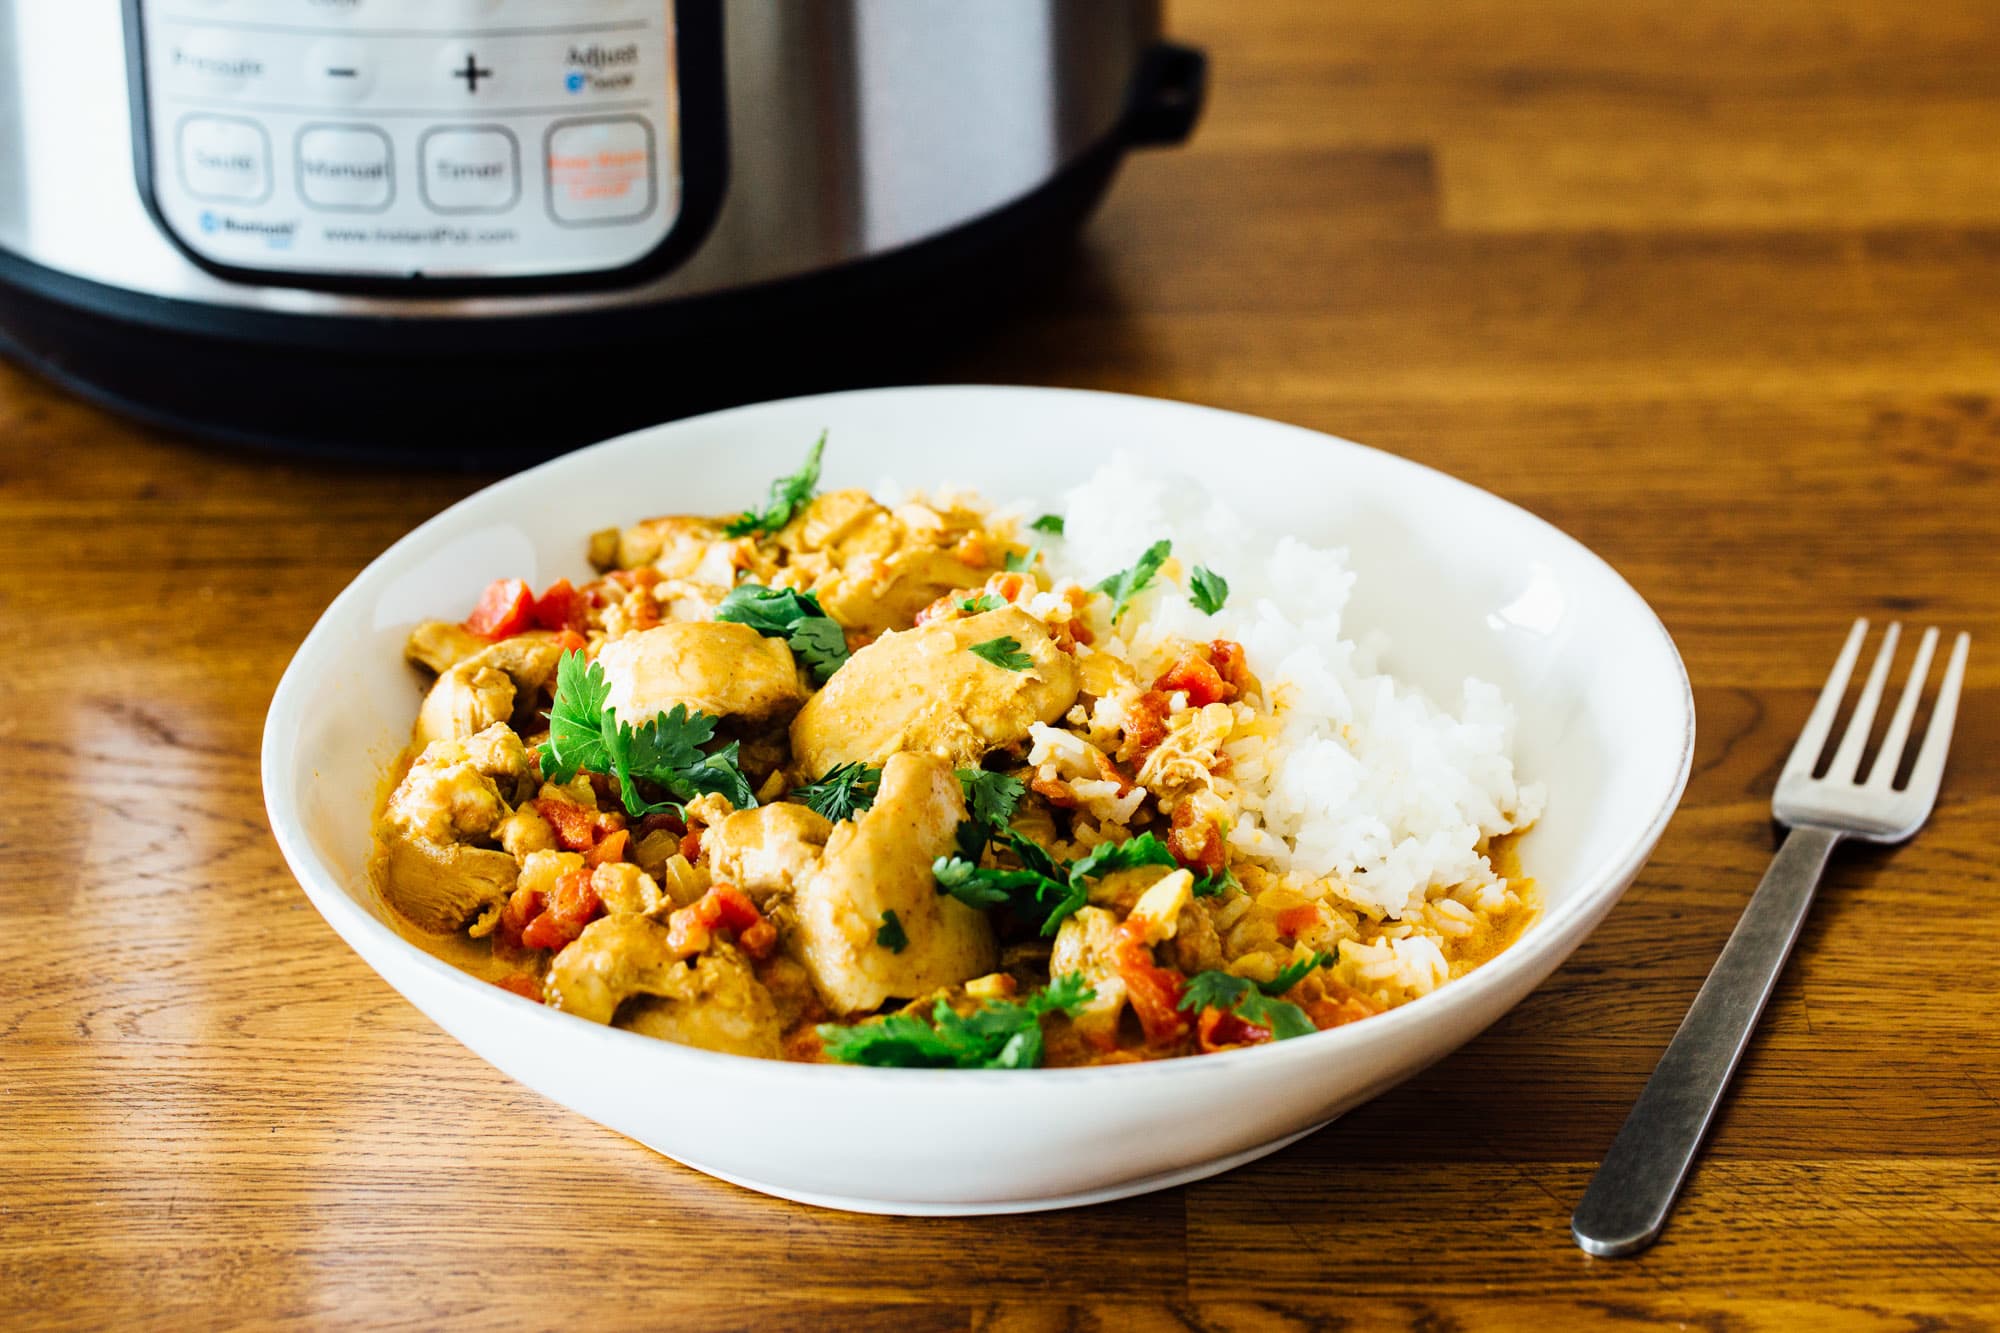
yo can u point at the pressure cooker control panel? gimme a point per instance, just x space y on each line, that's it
395 139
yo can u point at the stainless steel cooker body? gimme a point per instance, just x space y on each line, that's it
373 180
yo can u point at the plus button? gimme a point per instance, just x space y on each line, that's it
472 73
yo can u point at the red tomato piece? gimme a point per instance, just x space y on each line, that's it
523 985
1196 842
1226 655
1155 991
1193 673
562 607
1295 921
1219 1031
611 848
575 826
506 607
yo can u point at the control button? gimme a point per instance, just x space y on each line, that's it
464 71
339 71
224 158
474 170
345 168
600 171
210 60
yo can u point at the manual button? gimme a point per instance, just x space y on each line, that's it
224 158
345 168
471 170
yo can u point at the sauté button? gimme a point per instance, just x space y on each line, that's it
472 170
224 158
345 168
600 171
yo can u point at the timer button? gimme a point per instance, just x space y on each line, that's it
472 170
345 168
224 158
601 171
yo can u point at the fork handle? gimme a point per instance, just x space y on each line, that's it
1627 1203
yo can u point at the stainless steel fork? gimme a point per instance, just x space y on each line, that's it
1627 1203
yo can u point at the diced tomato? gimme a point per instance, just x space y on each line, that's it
572 642
722 908
610 848
1192 673
571 907
645 576
574 825
1219 1031
1155 991
562 607
1226 655
506 607
523 906
1338 1006
1145 726
1196 842
1296 921
691 846
522 984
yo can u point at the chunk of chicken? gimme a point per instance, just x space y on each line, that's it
439 886
717 667
879 570
463 701
441 645
922 689
680 546
880 862
727 1009
714 1001
767 850
1087 943
424 868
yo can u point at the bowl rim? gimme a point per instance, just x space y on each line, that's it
289 703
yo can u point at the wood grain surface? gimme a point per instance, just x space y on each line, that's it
1713 286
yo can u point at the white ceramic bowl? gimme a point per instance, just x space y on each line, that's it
1463 582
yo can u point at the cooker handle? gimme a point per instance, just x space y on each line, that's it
1167 95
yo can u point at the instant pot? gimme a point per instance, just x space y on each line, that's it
465 227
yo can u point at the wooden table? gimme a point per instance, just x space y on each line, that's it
1715 287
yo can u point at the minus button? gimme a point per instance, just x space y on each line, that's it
338 71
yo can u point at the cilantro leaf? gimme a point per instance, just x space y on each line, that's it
1207 589
984 602
1020 562
1208 886
1127 584
585 734
788 495
795 617
577 721
1049 523
1248 1001
1105 857
998 1034
843 793
1043 890
1004 652
1294 973
991 797
892 936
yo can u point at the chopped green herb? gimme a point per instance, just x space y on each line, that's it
1207 589
991 797
1049 523
585 734
1247 1000
1004 652
1020 562
1127 584
789 494
843 793
981 604
892 936
791 615
1294 973
1208 886
1043 890
999 1034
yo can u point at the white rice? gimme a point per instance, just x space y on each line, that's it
1367 784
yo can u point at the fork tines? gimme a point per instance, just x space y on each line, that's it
1846 765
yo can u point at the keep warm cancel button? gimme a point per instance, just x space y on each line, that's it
601 171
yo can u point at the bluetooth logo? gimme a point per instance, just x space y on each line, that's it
575 81
209 222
